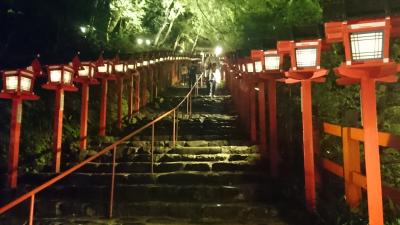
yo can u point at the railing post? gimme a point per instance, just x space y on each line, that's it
187 106
173 130
351 163
112 183
190 105
152 148
31 209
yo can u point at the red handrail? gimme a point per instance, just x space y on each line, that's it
31 194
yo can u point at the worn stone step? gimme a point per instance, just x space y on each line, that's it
168 193
194 211
145 167
174 178
157 157
190 143
153 221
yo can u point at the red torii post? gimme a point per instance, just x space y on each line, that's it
84 74
366 43
305 68
270 62
60 79
104 72
17 86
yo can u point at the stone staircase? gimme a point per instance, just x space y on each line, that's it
212 176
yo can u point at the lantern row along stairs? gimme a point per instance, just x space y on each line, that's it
214 175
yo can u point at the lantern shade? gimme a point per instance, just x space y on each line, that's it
18 81
55 76
85 71
120 68
258 66
61 74
272 62
102 68
306 57
67 78
26 84
250 68
366 45
12 83
131 66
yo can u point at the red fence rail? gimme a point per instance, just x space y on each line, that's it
351 169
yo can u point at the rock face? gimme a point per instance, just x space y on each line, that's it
212 176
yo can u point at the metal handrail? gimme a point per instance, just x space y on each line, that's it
113 147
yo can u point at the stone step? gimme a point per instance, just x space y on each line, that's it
191 143
164 193
145 167
195 211
166 157
174 178
154 221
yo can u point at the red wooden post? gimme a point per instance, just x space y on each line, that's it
58 125
103 107
84 115
131 94
371 148
273 128
253 113
15 131
308 145
261 117
120 84
137 89
351 163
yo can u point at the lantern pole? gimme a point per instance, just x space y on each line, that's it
120 83
103 107
58 125
15 131
84 115
311 71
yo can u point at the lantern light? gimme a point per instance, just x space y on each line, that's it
272 60
366 45
258 66
365 40
306 57
61 74
18 81
131 66
145 63
250 67
106 67
138 64
12 83
86 70
120 68
151 61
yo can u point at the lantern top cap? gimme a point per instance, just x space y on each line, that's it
24 72
271 52
62 66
